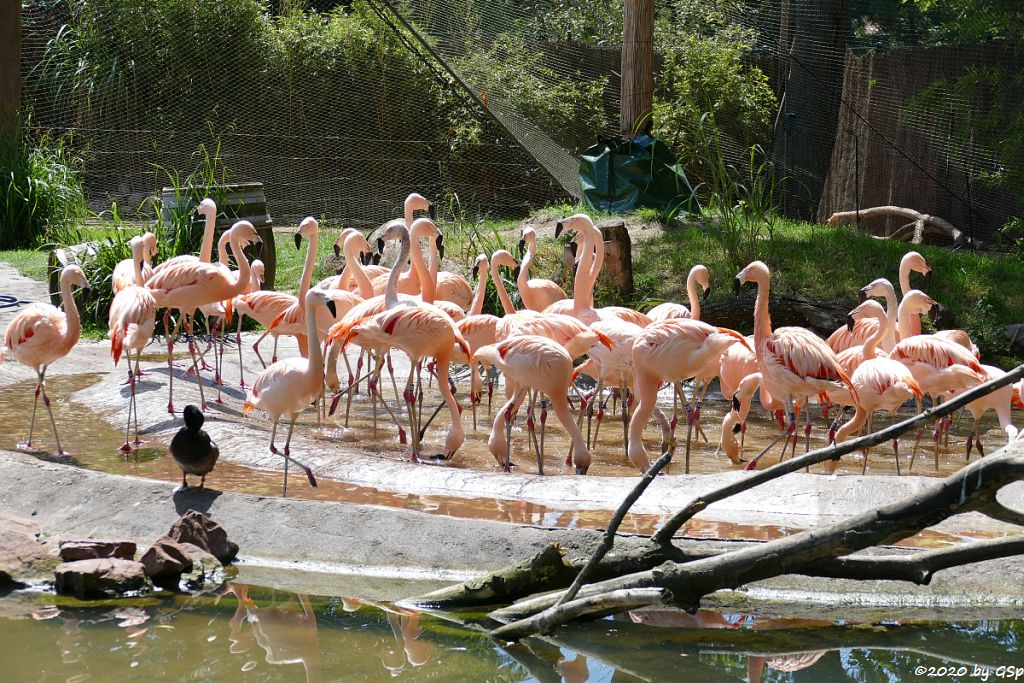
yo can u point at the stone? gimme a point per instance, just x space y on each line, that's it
206 569
104 577
92 548
23 559
166 558
199 529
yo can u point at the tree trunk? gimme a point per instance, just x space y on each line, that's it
637 84
10 64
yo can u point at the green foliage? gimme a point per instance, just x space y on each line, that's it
557 104
40 187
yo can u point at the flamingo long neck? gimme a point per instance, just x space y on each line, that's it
872 342
582 286
355 268
477 306
909 322
244 272
222 248
595 265
74 320
307 267
206 249
891 309
905 276
138 254
691 294
427 275
315 368
762 316
506 302
524 267
391 293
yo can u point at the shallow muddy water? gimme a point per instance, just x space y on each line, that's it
246 632
93 444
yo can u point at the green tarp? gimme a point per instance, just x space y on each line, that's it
620 175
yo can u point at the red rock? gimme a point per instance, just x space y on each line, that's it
165 558
198 529
100 578
93 548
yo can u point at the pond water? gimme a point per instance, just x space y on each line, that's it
248 632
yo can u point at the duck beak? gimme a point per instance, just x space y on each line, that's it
862 295
558 228
849 322
736 285
298 241
337 251
332 308
380 245
522 247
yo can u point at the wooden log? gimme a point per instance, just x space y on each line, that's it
617 269
822 316
915 227
637 84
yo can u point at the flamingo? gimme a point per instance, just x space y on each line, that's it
879 383
288 386
409 283
131 321
208 210
1000 401
537 293
187 285
40 335
143 249
794 362
538 363
736 419
698 275
448 286
217 310
940 367
581 306
256 278
478 328
843 338
670 351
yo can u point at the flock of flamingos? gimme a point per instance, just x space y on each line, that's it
877 362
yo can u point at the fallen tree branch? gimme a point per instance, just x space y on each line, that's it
834 452
608 540
688 583
916 224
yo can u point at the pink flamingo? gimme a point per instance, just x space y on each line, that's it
581 306
189 284
670 351
794 362
699 275
409 282
448 286
735 420
843 338
131 322
256 277
940 367
537 293
879 383
478 328
208 210
124 272
288 386
538 363
1000 401
41 335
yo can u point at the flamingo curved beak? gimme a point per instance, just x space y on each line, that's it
933 312
928 279
337 251
735 402
515 273
298 241
376 259
476 270
333 308
849 322
736 285
737 428
440 245
380 245
707 293
431 211
522 247
559 228
862 295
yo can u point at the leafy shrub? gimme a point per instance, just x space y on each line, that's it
39 187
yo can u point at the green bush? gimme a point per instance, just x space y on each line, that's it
39 187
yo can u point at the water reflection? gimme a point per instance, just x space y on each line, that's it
258 633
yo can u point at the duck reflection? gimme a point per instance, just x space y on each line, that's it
286 630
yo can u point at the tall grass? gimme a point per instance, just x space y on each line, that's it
40 187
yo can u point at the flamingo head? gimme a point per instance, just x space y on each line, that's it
342 238
579 222
481 264
917 302
392 231
207 208
868 309
914 261
528 236
74 275
880 287
307 228
245 232
319 297
756 272
702 277
417 202
503 258
258 270
149 241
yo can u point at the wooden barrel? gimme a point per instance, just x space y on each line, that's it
240 201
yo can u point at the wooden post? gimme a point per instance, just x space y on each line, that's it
637 88
10 63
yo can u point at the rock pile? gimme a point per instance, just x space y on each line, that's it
191 556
